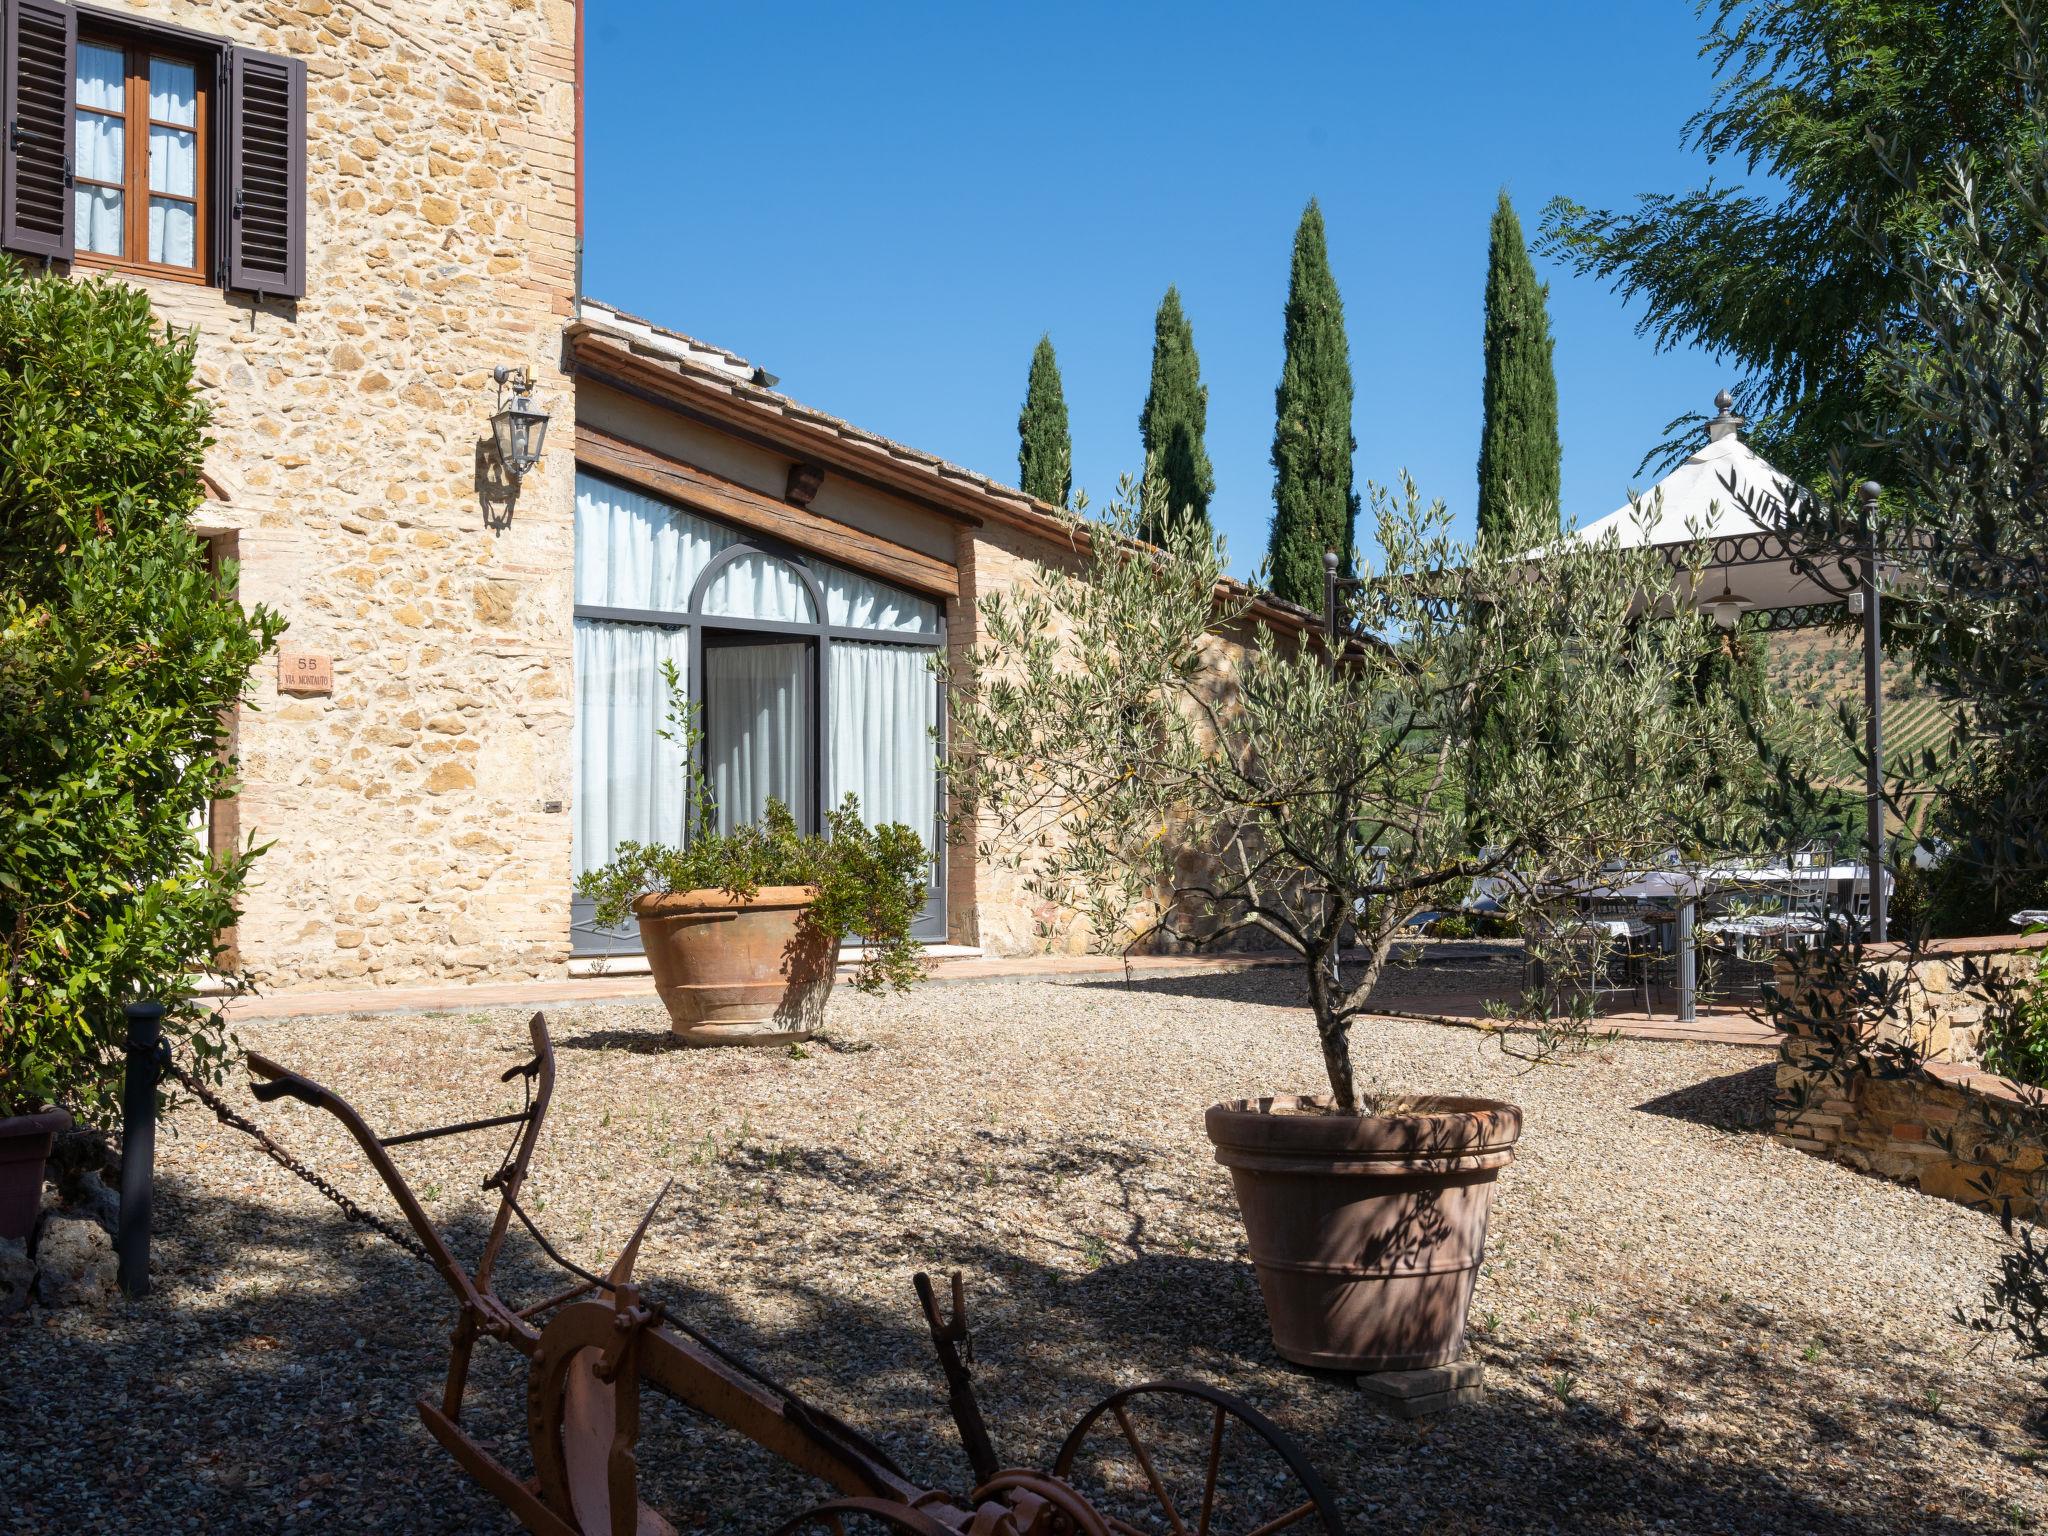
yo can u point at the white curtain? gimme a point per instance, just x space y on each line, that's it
757 712
758 586
860 602
100 147
172 227
634 551
173 161
885 704
629 781
173 98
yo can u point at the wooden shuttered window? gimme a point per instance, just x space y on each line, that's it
38 52
255 142
266 173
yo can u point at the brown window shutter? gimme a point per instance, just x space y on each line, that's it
38 52
266 181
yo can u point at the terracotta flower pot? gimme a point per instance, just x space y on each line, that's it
738 972
1366 1230
24 1151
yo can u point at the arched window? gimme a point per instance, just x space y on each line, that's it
810 682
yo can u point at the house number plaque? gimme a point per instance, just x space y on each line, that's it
304 672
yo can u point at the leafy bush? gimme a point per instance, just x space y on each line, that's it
1452 925
2013 1041
870 880
121 656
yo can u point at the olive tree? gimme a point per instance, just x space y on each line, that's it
1156 750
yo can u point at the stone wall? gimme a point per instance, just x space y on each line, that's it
417 817
1944 1126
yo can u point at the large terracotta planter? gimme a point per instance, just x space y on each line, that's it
24 1152
1367 1231
738 972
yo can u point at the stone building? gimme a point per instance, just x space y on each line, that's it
365 210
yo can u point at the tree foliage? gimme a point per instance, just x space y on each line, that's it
1964 528
1045 446
1315 507
1519 454
1854 108
1150 757
1970 378
121 656
1175 421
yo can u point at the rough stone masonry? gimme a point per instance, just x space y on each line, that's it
418 814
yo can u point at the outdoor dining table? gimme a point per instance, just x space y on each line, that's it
1764 931
1681 889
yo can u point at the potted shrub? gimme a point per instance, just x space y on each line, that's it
121 657
742 929
1150 751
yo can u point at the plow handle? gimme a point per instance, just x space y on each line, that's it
278 1083
947 1337
281 1083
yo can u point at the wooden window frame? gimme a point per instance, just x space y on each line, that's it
136 52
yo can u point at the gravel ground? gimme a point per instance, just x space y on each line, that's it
1683 1326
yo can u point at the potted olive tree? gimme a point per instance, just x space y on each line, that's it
1152 757
121 655
742 929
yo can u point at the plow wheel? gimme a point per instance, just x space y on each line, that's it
1175 1458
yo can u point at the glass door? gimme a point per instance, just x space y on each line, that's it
759 702
882 747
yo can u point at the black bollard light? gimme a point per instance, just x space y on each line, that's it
138 1144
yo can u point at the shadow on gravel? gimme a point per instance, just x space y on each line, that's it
653 1040
1739 1101
291 1409
1285 986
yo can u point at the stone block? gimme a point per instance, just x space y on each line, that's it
17 1275
1417 1394
75 1264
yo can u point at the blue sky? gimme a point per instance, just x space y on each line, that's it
885 204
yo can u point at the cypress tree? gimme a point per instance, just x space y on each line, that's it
1314 506
1176 418
1518 447
1045 448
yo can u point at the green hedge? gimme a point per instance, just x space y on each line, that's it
121 657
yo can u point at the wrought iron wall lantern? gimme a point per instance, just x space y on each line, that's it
519 429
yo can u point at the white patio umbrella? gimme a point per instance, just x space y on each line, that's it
1727 494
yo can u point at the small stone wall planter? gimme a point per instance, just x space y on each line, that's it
1949 1129
25 1142
738 972
1367 1231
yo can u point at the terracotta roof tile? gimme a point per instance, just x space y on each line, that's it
713 366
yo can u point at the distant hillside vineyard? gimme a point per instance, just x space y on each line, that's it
1819 669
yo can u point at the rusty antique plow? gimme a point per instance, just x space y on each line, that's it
1167 1457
